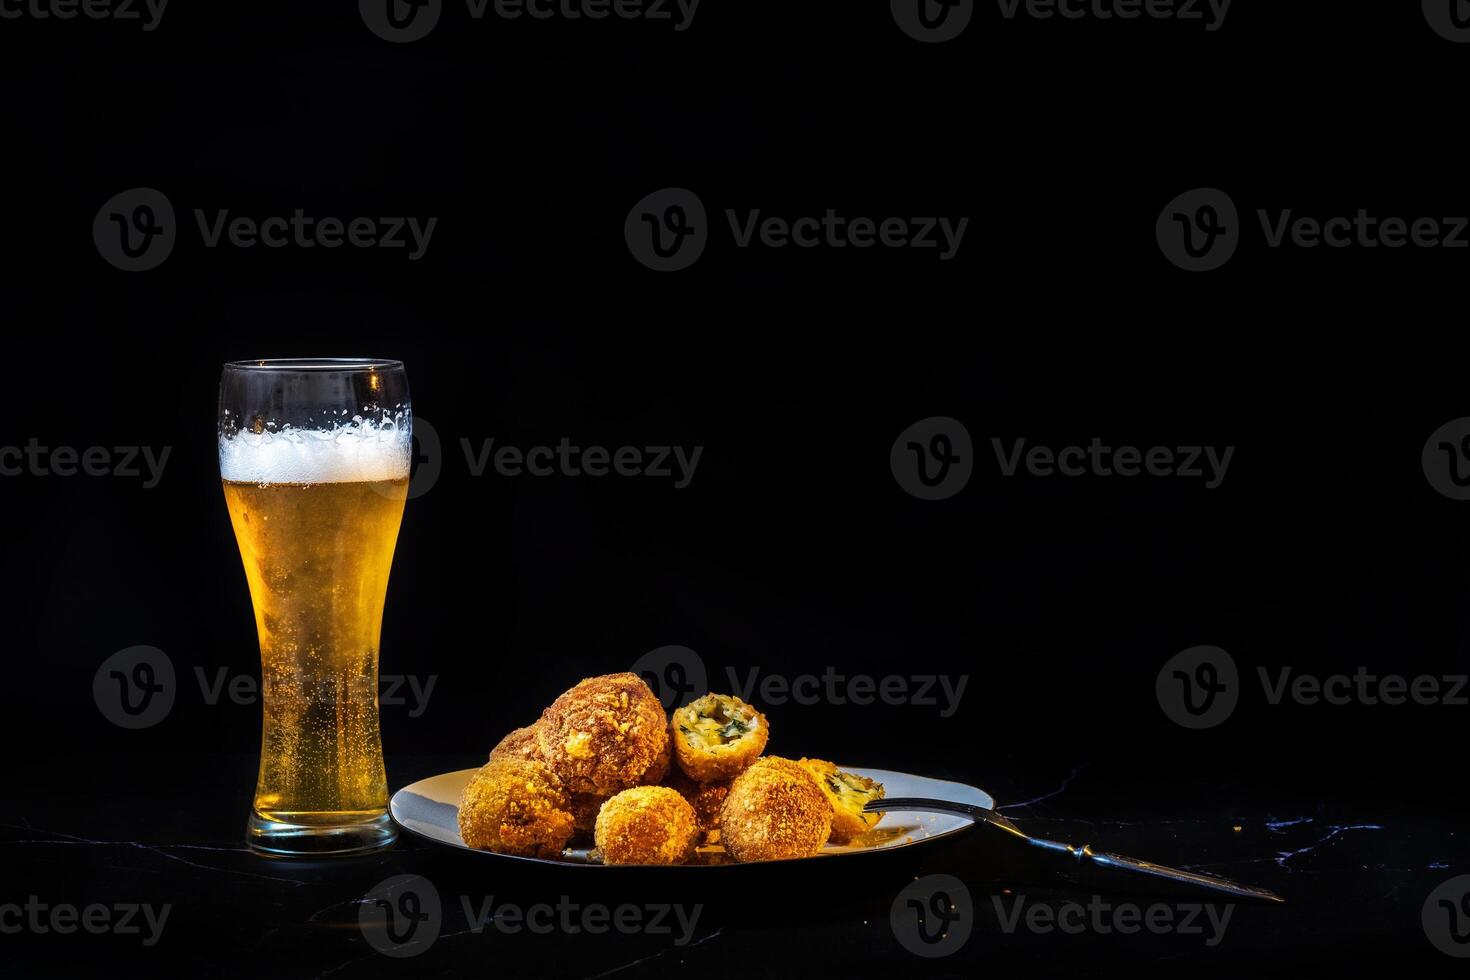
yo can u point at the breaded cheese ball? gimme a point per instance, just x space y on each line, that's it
706 798
603 734
586 805
646 825
774 811
515 806
520 743
717 736
848 793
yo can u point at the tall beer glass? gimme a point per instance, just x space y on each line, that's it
315 458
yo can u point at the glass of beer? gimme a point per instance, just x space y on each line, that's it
315 457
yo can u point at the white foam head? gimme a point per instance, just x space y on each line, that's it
358 452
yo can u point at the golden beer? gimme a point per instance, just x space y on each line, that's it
317 557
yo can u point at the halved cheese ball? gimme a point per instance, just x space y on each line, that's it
848 793
717 737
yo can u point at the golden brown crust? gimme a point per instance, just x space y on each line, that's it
584 812
774 810
520 743
707 763
706 798
847 792
603 734
647 825
515 806
656 772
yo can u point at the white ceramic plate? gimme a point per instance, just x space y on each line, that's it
430 809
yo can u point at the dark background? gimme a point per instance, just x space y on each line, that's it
793 549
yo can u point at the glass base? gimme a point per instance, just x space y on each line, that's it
318 834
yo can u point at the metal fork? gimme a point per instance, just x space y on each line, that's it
1083 854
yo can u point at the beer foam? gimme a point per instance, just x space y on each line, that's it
358 452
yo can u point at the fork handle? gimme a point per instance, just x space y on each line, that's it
1083 854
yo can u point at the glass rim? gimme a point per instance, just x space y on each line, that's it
315 364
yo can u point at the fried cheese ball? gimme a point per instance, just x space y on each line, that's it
774 810
848 793
603 734
646 825
586 805
717 736
515 806
706 798
520 743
